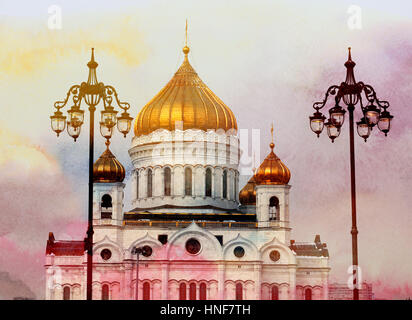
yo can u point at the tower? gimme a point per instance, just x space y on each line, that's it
272 194
108 189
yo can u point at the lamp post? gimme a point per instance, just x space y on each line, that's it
146 251
91 92
374 113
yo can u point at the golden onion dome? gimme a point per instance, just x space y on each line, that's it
247 196
189 101
107 168
272 170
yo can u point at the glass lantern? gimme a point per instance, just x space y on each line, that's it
76 113
73 128
384 123
317 122
109 116
363 129
106 130
372 114
58 122
333 131
124 123
337 116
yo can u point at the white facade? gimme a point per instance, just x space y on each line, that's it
215 267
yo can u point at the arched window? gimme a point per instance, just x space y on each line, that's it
273 208
308 294
208 183
192 291
105 292
239 291
182 291
188 182
106 204
106 201
168 181
66 293
137 184
149 183
146 291
224 184
275 293
202 291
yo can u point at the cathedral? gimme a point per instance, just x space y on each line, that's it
199 236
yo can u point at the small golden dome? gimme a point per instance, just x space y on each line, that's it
272 170
108 169
187 100
247 196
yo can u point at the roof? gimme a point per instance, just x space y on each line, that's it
310 249
65 247
188 100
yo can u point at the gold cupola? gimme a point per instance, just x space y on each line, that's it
247 196
107 168
272 170
185 99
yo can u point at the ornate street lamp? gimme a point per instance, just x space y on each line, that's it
145 251
374 113
91 92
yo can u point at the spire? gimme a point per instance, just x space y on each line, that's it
272 144
92 64
350 77
186 48
92 80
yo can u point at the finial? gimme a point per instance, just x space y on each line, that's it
92 64
186 48
349 56
272 144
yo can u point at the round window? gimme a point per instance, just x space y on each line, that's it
274 255
147 251
193 246
106 254
239 252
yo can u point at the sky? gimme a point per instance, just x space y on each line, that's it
267 60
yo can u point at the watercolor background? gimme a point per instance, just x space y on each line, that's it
267 60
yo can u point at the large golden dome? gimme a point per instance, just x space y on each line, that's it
187 99
272 170
247 196
107 168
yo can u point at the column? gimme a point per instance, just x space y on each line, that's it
134 186
127 290
165 281
258 281
158 182
221 281
292 283
325 287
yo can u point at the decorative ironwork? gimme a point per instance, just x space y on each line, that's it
91 92
374 113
